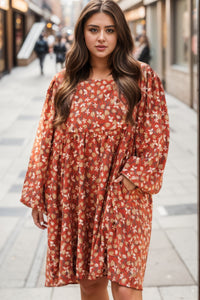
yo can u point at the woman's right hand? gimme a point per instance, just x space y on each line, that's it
38 218
129 185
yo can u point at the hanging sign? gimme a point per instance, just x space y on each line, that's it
135 14
20 5
4 4
146 2
127 4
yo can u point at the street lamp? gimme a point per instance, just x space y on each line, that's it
49 25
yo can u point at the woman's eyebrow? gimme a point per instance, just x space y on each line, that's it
110 26
107 26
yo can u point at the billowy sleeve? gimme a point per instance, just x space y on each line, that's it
145 168
33 188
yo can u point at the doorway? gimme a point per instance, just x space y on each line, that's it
18 34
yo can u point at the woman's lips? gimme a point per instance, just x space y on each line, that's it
100 48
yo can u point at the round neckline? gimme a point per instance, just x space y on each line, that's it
98 80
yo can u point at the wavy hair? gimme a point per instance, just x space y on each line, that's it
124 68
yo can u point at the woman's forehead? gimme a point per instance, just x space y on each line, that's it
100 19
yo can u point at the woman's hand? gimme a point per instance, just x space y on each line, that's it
129 185
38 218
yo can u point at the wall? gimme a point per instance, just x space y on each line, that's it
177 76
178 83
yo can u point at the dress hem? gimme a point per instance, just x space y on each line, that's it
110 278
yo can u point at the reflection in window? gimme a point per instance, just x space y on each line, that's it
181 32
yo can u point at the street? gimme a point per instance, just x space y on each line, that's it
172 263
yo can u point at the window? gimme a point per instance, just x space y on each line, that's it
2 41
194 31
181 32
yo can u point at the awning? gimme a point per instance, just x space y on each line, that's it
35 8
128 4
29 43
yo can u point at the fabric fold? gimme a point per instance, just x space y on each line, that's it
33 188
145 168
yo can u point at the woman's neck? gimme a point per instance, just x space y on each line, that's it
100 69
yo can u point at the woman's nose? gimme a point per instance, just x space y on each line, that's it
101 36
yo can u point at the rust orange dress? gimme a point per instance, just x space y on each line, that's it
96 227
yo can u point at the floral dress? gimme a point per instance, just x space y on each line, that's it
96 227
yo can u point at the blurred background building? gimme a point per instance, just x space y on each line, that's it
17 20
170 25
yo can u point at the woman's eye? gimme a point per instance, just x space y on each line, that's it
110 30
93 29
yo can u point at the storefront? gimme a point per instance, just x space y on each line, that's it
152 31
136 20
171 26
135 15
19 24
181 75
4 6
156 33
194 56
35 13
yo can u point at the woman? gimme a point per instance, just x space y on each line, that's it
60 51
99 155
142 52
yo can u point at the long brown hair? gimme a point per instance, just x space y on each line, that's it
124 69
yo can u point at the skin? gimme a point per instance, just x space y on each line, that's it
39 219
101 39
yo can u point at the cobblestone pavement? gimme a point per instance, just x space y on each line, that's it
172 264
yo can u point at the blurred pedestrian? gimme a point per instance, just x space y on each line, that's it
142 52
41 48
69 41
60 51
51 41
99 155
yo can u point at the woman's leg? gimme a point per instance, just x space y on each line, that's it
94 289
125 293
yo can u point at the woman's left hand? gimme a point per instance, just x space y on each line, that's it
38 218
129 185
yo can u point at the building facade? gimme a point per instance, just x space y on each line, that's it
181 50
16 20
171 26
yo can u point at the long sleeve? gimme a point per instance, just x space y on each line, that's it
145 168
33 189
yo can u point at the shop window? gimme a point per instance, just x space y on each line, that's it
194 31
181 32
194 49
152 33
19 31
2 42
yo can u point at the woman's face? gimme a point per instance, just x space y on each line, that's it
100 35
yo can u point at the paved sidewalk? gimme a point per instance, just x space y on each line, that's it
172 264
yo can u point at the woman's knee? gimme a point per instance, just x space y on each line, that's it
125 293
89 287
